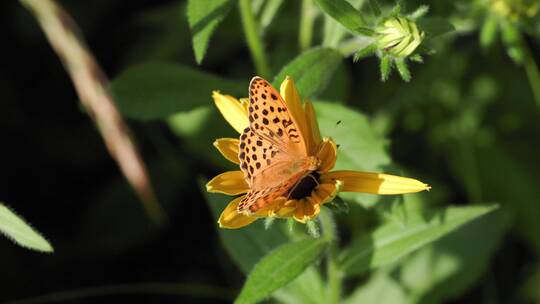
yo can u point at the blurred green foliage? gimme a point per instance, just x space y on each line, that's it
465 120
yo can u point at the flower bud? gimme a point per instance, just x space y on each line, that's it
399 36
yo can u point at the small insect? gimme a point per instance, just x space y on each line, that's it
273 152
338 122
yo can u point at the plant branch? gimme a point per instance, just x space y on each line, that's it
93 89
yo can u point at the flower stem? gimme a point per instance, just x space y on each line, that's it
334 272
533 75
254 41
306 24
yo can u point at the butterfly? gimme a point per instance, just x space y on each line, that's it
273 153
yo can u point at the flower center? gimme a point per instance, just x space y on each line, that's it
305 186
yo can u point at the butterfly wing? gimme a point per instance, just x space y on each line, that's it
269 147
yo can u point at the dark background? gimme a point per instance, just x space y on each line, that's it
56 172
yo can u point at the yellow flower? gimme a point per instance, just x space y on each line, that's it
305 201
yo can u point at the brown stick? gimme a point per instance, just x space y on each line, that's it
93 89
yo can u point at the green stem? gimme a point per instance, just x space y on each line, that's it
533 75
254 41
334 272
306 24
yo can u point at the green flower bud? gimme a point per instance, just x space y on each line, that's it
398 36
514 10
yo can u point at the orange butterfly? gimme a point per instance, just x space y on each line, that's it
273 152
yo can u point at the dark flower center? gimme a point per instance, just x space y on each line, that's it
304 187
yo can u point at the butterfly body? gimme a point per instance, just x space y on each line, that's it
273 152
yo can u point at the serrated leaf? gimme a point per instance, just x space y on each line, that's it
203 17
311 70
344 13
360 148
248 245
280 267
394 240
16 229
160 89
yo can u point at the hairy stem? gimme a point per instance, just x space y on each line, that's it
254 40
334 272
93 89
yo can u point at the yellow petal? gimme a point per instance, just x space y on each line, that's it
313 125
290 95
228 147
230 182
231 219
233 110
327 154
377 183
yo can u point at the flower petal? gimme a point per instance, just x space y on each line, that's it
290 95
377 183
231 219
228 147
312 124
327 154
230 182
233 110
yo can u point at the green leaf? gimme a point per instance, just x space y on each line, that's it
435 26
446 268
375 7
419 12
488 33
16 229
512 39
311 70
344 13
269 12
381 288
385 67
360 146
203 17
394 240
367 51
157 90
248 245
307 288
403 69
280 267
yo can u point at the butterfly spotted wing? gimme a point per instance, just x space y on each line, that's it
272 149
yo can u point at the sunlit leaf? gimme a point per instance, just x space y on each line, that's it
157 90
16 229
280 267
204 17
311 70
344 13
394 240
